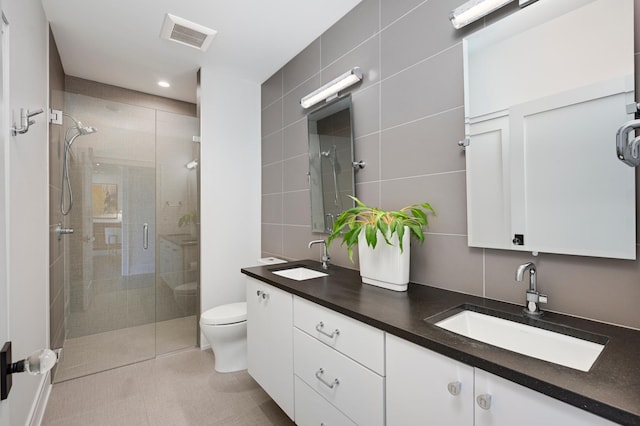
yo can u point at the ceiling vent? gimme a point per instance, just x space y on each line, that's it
186 32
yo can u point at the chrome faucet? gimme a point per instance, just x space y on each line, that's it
325 255
534 298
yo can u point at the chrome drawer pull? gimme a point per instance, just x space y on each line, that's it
330 385
320 329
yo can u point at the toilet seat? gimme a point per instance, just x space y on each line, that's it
225 314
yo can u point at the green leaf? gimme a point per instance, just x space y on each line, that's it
371 235
400 232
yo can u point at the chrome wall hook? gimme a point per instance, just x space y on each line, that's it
25 121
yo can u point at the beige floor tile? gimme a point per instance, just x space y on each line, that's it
181 389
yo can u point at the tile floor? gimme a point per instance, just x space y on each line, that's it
102 351
177 389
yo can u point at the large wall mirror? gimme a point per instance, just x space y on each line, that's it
546 89
331 173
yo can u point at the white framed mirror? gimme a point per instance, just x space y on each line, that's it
546 89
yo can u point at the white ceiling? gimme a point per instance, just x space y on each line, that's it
118 41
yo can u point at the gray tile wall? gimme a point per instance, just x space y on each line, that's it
408 115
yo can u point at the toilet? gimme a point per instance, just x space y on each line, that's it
186 296
225 328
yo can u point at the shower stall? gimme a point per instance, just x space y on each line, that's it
131 263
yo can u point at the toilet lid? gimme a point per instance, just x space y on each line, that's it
225 314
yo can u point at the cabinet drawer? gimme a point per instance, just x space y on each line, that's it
359 392
314 410
357 340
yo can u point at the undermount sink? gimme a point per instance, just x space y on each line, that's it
547 345
299 273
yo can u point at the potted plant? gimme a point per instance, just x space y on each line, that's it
383 239
190 218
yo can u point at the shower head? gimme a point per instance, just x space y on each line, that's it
87 130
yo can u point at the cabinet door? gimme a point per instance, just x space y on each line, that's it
512 404
270 341
426 388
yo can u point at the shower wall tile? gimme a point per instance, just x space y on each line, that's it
424 146
296 138
422 33
354 28
271 89
127 96
423 89
272 148
302 67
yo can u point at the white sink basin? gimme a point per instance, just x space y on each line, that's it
524 339
300 273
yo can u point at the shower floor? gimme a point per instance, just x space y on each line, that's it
103 351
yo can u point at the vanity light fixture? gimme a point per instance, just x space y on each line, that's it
163 83
332 88
473 10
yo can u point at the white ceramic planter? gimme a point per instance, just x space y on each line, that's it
385 266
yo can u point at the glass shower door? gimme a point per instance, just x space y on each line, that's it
110 277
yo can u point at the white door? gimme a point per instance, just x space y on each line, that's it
4 194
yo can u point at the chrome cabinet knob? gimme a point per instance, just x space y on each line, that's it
484 401
454 388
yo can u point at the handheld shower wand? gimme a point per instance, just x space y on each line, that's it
66 179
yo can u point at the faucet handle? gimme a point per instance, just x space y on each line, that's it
542 298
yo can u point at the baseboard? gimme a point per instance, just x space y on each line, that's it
40 404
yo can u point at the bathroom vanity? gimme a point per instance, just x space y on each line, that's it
337 351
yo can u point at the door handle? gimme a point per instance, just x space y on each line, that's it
145 236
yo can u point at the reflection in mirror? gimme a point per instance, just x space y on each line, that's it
331 173
546 89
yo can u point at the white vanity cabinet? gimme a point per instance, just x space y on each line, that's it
269 341
424 387
339 368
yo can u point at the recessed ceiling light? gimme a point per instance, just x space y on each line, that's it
163 83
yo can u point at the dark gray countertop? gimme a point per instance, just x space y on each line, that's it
610 389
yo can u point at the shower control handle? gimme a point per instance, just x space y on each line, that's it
63 231
145 236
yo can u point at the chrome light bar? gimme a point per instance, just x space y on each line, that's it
347 79
473 10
